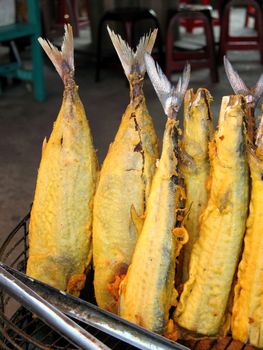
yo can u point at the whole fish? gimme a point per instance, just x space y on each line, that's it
247 311
195 164
203 302
125 180
148 292
61 217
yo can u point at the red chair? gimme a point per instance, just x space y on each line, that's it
204 57
228 42
70 8
250 13
190 24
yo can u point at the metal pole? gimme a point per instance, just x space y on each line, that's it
48 313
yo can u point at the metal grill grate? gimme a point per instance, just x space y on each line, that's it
21 330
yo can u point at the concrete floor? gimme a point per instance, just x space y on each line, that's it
24 122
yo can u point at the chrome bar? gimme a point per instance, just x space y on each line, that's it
48 313
100 319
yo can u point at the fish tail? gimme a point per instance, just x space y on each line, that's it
63 59
129 58
171 97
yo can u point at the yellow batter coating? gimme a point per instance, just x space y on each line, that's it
247 312
195 164
61 217
124 184
148 292
215 255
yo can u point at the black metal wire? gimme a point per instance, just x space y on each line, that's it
25 231
16 329
16 261
11 250
10 340
4 346
13 234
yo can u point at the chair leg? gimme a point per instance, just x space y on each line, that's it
98 51
259 21
159 43
72 9
37 58
37 69
169 52
224 33
247 17
211 50
189 25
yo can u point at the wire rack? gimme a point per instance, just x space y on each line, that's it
21 330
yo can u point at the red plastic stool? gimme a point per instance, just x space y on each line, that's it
228 42
190 24
250 13
204 57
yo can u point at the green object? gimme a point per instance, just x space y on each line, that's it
32 29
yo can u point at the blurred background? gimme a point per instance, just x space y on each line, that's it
31 91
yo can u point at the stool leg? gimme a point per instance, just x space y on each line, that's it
259 21
37 59
169 51
129 32
224 33
159 42
247 17
211 50
189 25
72 9
98 51
37 67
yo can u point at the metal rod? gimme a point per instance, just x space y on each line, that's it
48 313
100 319
15 52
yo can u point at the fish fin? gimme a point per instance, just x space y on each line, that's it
174 297
170 97
123 283
114 287
137 220
183 82
63 60
76 283
259 88
130 58
172 331
44 145
181 236
146 44
259 139
235 81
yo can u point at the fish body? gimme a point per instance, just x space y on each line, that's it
148 291
124 184
61 217
195 164
247 312
247 320
203 302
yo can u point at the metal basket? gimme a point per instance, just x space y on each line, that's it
20 329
